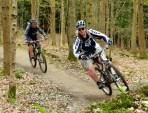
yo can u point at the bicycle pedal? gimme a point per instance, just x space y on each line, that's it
117 79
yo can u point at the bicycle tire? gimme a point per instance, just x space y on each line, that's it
33 60
107 89
42 60
119 79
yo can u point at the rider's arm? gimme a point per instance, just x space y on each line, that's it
27 37
76 48
41 31
99 35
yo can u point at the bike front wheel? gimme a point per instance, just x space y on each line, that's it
119 79
107 88
42 63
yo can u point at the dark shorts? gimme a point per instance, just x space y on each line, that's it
37 44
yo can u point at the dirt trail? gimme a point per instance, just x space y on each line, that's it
84 92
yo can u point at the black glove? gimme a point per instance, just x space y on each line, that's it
110 42
83 57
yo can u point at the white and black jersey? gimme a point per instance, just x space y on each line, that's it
88 45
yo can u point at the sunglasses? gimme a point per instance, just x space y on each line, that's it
81 29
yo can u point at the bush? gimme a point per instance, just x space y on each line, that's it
118 105
144 90
19 73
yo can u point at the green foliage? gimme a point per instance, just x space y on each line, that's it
123 13
19 73
145 8
118 105
40 108
12 100
1 71
144 57
12 94
24 12
71 57
144 90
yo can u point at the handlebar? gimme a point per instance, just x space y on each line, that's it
35 41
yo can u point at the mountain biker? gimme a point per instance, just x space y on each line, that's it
85 45
31 34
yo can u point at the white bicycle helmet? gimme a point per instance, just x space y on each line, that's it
33 21
80 24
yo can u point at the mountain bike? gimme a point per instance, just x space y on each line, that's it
38 55
109 73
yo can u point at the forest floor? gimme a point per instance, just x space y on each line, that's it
65 88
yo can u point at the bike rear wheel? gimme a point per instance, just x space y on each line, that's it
33 60
42 62
119 79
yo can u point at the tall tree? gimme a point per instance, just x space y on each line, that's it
90 17
6 35
141 38
71 27
0 21
34 9
138 27
12 83
63 38
102 16
82 9
134 27
52 22
112 18
9 32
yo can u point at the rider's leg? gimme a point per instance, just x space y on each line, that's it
38 45
88 65
92 73
31 50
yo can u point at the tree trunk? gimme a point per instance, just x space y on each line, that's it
12 84
63 38
9 33
52 23
82 9
12 92
0 21
112 19
107 17
141 38
90 19
102 16
34 9
71 28
134 27
6 35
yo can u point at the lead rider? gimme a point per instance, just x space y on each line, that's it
85 45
